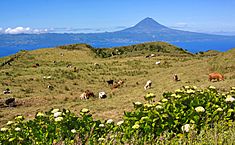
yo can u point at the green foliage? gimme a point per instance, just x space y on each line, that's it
181 114
144 48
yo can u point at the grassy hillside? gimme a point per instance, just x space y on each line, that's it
54 84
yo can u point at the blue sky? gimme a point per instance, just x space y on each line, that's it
38 16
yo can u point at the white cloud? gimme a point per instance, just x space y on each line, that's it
25 30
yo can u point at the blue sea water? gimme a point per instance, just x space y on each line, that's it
192 47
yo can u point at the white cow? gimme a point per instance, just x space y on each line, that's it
102 95
158 62
148 85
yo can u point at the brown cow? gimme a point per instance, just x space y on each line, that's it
216 76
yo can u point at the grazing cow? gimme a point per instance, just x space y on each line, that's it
118 84
147 56
176 78
148 85
10 102
158 62
216 76
110 82
87 94
36 65
102 95
7 91
153 55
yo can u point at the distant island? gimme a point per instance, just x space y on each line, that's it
147 30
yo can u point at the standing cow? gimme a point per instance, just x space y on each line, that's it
148 85
216 76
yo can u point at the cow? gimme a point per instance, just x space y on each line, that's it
10 102
176 78
117 84
7 91
110 82
216 76
102 95
87 94
158 62
148 85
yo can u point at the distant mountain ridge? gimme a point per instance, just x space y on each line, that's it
147 30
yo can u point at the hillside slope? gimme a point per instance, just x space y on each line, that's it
56 77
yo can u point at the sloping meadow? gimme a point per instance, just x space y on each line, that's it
180 116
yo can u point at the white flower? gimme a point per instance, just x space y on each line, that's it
55 110
40 114
58 119
120 123
190 91
212 87
158 107
194 87
219 109
73 131
173 95
10 122
101 125
18 117
109 121
85 110
136 126
164 100
138 103
186 87
57 114
101 139
200 109
229 99
17 129
4 129
186 128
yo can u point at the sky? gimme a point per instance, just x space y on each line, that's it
84 16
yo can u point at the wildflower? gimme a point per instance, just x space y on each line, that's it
219 109
232 88
138 103
194 87
164 100
178 91
136 126
173 95
101 139
17 129
229 99
4 129
10 122
85 110
40 114
190 91
158 107
109 121
55 110
120 123
58 119
73 131
186 128
101 125
19 117
148 105
212 87
186 87
200 109
57 114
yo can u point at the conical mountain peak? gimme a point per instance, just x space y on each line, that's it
147 25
